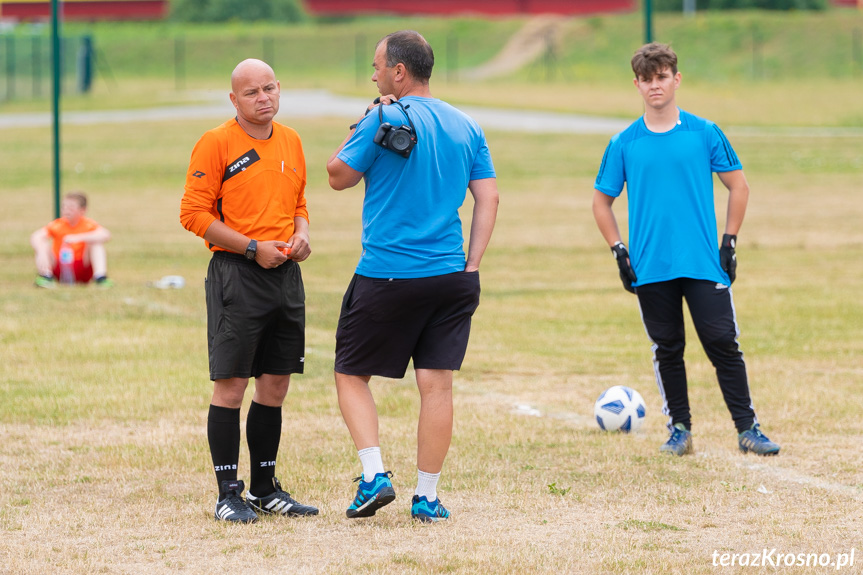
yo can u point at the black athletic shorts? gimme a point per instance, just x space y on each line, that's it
256 318
386 322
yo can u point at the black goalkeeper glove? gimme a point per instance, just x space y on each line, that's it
627 275
728 257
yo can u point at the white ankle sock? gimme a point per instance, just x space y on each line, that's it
370 457
427 484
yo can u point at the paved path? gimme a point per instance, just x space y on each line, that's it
320 103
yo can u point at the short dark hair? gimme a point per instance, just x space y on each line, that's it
79 197
412 50
652 58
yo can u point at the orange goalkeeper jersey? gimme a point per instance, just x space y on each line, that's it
256 187
60 228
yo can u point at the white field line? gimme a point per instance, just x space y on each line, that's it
792 476
783 474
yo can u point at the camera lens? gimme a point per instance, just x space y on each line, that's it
400 141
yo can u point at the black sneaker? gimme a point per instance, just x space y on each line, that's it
231 506
279 503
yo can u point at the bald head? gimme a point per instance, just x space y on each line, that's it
250 67
255 95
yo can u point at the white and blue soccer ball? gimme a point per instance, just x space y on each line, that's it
620 408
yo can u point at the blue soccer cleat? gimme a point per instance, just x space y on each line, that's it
372 495
755 441
680 442
428 511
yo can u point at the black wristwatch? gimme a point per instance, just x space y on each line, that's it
251 250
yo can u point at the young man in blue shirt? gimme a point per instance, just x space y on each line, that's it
414 290
666 159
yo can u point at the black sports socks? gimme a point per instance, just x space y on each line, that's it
223 434
263 432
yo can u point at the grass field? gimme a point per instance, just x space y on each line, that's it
104 394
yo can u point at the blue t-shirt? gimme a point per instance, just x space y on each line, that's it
411 225
669 184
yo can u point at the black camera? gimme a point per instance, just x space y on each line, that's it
400 140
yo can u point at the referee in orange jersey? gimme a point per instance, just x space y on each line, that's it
245 196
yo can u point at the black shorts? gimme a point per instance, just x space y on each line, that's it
386 322
256 318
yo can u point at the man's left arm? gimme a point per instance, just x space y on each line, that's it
486 200
342 176
738 198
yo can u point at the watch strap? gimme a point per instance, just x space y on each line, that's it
252 250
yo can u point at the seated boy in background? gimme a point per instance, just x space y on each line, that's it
71 248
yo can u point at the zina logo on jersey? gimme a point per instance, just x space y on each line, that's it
241 164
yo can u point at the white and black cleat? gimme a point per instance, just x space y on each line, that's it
279 503
231 506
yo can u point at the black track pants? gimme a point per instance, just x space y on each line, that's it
712 309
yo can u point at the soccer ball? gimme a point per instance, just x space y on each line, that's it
620 408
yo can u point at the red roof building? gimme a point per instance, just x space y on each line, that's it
85 9
480 7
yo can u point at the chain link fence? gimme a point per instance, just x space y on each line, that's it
26 64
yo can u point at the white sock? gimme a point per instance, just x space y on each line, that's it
427 485
370 457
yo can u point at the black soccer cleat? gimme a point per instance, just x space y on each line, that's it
231 506
279 503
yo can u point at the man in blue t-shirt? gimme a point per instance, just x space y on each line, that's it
414 292
666 159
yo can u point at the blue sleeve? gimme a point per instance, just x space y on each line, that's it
482 167
360 151
722 156
612 174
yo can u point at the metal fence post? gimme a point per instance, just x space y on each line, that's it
179 63
36 64
269 52
856 52
360 57
452 58
85 64
10 68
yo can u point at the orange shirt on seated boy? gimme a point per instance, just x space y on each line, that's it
72 239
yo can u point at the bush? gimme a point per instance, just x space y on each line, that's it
677 5
237 10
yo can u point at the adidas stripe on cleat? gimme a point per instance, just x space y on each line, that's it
753 440
231 506
372 495
428 511
680 442
279 503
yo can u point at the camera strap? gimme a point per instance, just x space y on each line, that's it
404 111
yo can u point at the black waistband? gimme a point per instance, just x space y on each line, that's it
241 259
